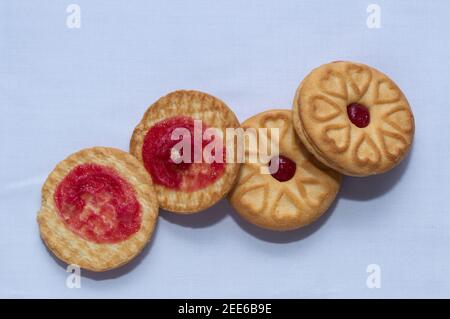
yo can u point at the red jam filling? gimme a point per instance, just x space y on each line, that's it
358 114
97 204
286 168
191 175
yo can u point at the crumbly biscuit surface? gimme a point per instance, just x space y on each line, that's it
199 106
73 249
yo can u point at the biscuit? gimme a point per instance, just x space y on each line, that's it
185 187
353 118
295 195
98 209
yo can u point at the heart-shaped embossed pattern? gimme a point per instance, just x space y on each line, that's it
285 208
333 83
346 108
292 195
394 144
367 152
386 92
280 122
338 136
312 190
360 78
254 197
400 119
323 108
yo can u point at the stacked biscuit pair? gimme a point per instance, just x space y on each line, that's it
100 205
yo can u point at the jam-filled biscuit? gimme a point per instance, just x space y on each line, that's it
292 196
353 118
98 209
192 184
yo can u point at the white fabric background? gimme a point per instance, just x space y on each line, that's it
65 89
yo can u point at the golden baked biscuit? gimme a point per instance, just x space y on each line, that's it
185 187
296 194
353 118
98 209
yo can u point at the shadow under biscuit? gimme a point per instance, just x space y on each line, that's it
366 188
205 218
113 273
281 237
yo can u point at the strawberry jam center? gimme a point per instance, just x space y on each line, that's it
286 168
358 114
97 204
160 154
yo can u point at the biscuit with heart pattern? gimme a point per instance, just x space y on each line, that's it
353 118
295 195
